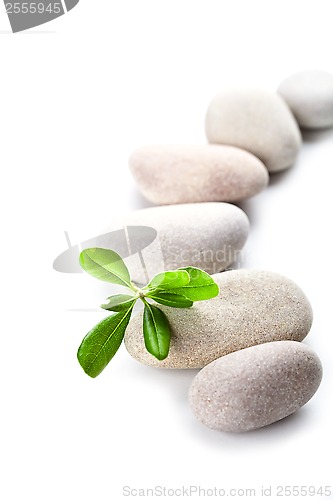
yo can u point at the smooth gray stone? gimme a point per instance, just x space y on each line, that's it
190 174
253 307
309 94
205 235
255 387
255 120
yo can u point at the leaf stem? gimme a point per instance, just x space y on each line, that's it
133 287
144 301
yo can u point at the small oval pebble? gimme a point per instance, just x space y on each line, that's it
253 307
191 174
309 94
257 121
255 387
205 235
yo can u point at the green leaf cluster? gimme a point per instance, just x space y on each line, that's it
179 288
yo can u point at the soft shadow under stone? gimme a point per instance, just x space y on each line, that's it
277 177
286 429
310 135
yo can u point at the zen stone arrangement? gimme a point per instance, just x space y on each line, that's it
247 341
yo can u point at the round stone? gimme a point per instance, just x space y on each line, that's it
205 235
253 307
309 94
255 387
191 174
257 121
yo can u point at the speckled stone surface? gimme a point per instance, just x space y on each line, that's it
205 235
253 307
198 173
255 387
257 121
309 94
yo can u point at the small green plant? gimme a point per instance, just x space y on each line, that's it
178 288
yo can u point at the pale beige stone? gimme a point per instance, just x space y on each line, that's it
190 174
205 235
253 307
258 121
309 94
255 387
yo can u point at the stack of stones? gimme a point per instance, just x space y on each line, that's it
246 341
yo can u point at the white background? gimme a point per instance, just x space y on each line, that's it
77 96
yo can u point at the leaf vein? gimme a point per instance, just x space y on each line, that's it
113 272
103 346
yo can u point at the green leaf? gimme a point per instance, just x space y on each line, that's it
170 299
105 265
201 285
119 302
102 342
170 279
156 332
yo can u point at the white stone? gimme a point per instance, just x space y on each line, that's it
205 235
255 387
257 121
309 94
190 174
253 307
